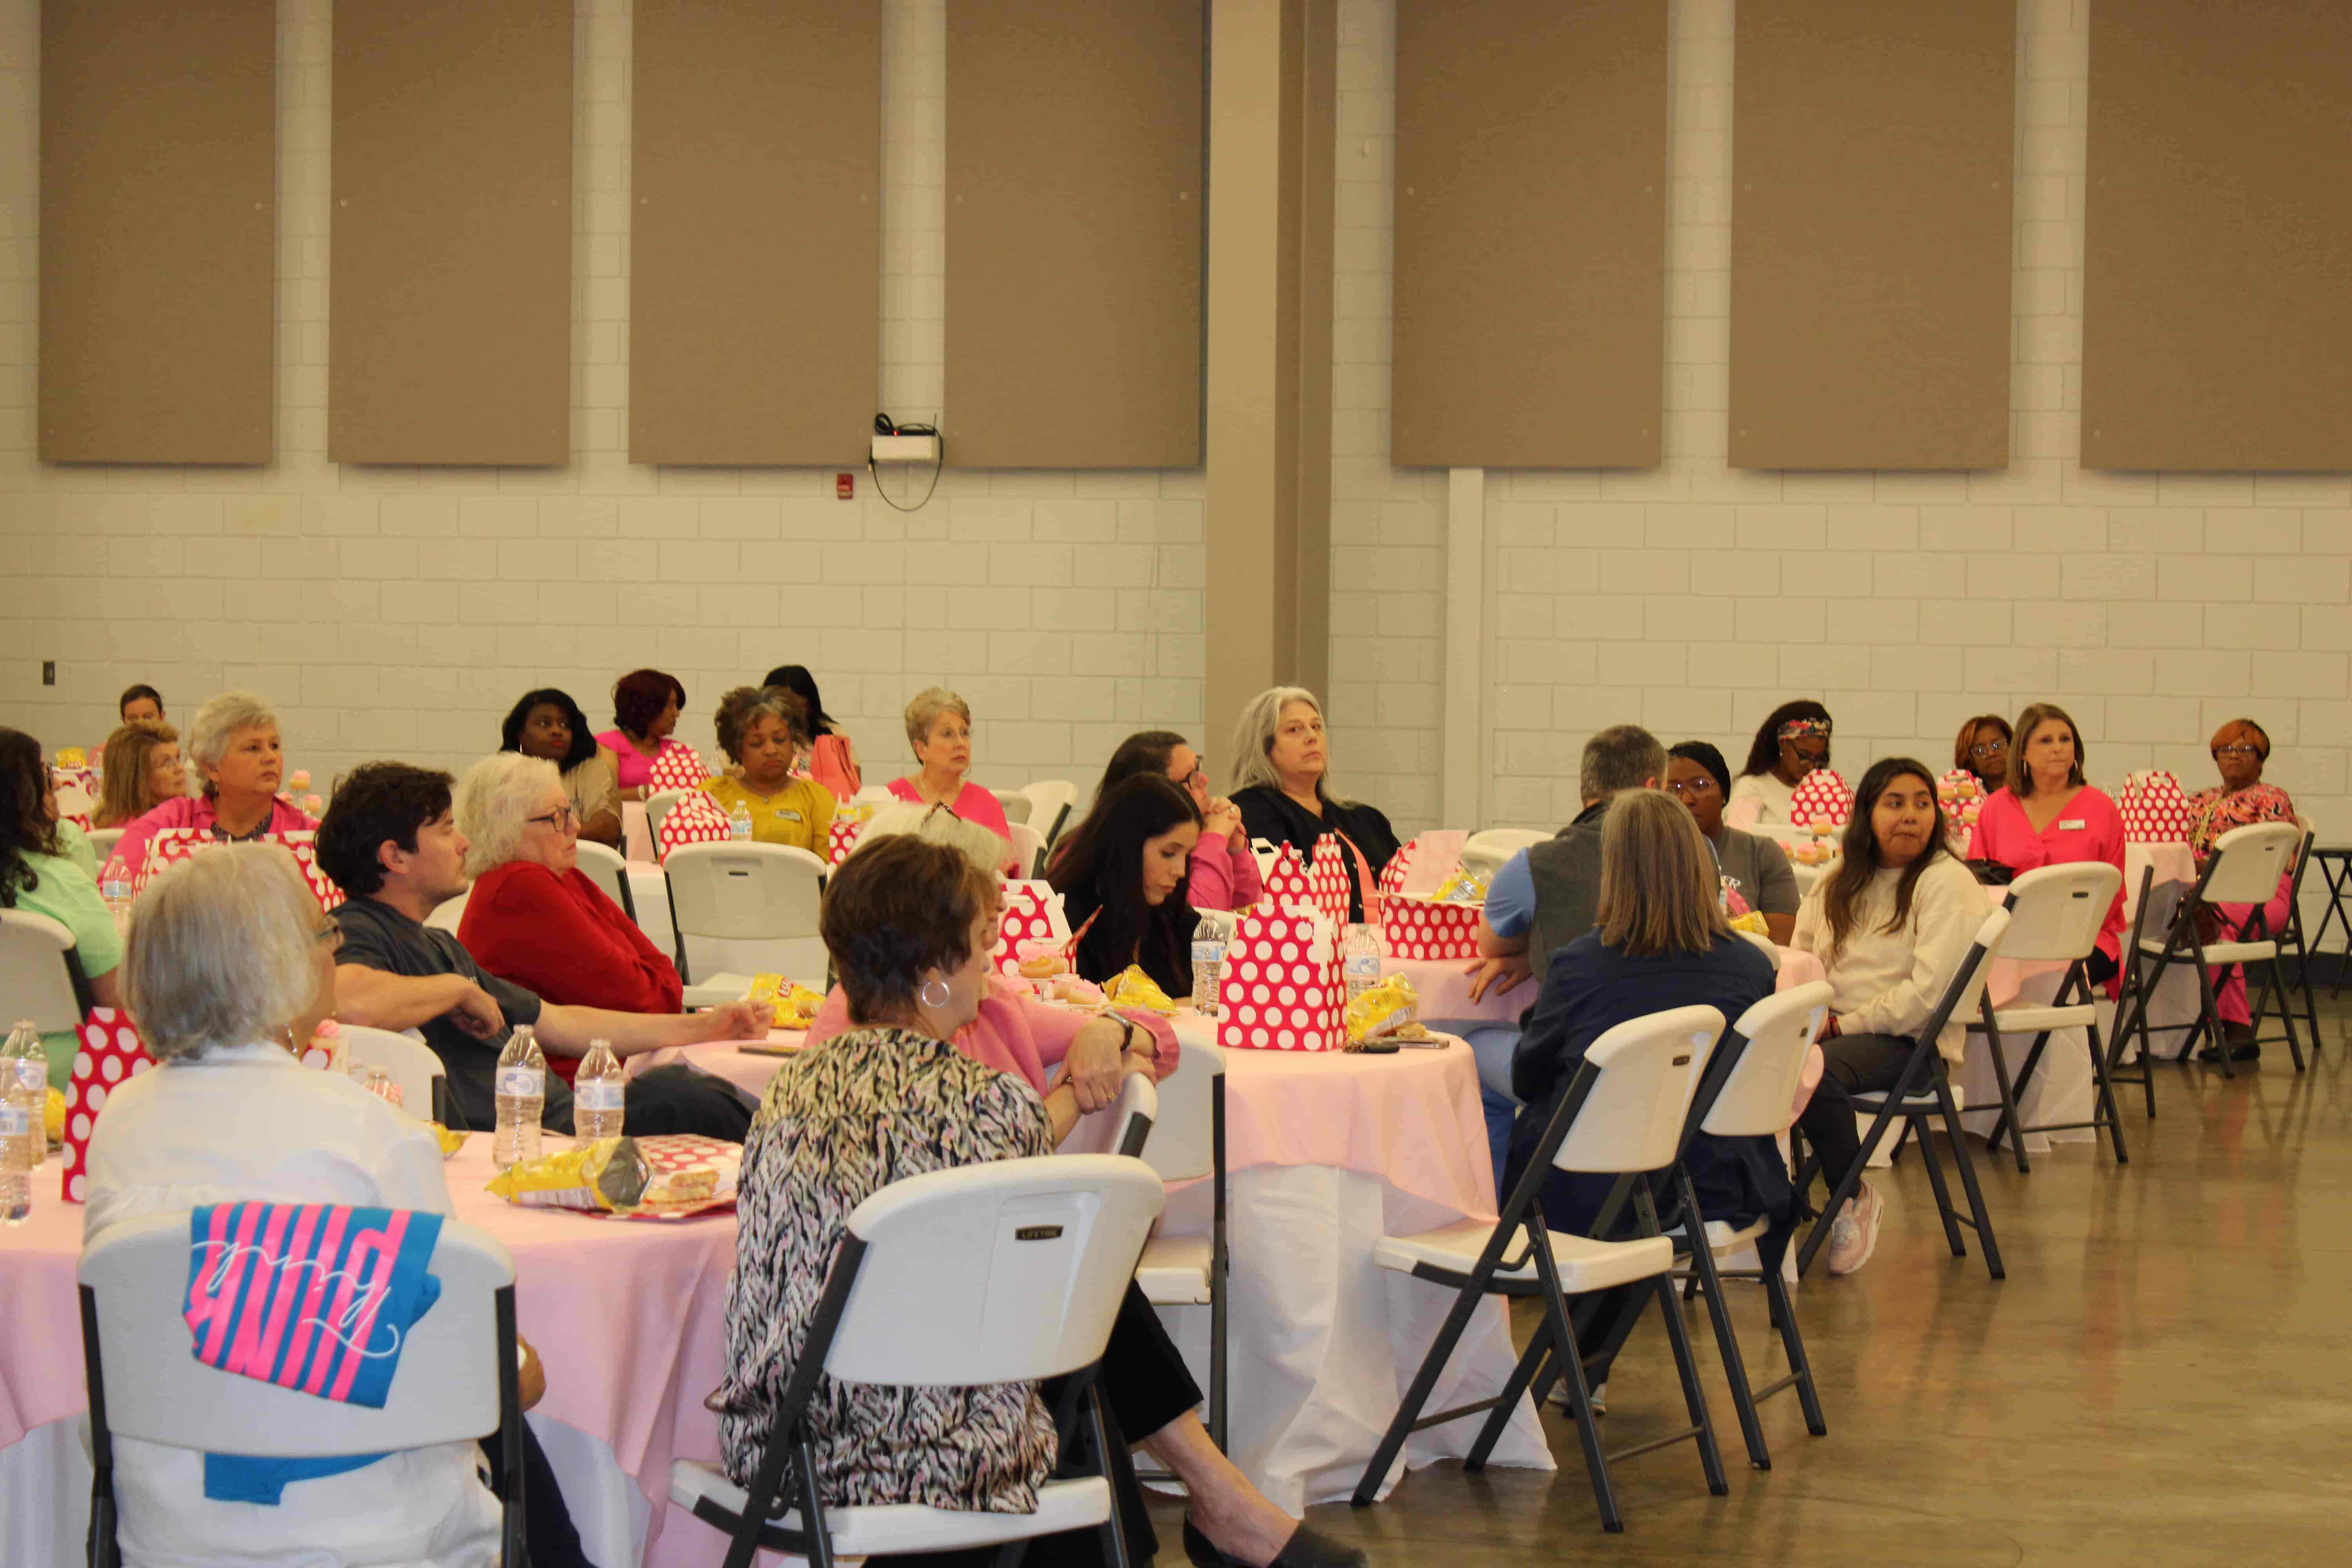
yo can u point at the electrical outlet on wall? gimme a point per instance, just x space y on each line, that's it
49 672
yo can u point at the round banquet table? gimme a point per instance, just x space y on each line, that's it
627 1315
1325 1152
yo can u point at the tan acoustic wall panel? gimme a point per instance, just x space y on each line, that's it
450 292
1530 234
2217 271
159 230
1872 148
755 233
1074 239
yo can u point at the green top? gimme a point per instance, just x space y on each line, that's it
68 895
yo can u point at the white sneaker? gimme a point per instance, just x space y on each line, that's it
1599 1396
1854 1235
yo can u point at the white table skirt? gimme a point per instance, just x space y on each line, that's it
45 1493
1322 1341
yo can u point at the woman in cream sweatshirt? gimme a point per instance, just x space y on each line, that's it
1888 926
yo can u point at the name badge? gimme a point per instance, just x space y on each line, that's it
796 817
2072 825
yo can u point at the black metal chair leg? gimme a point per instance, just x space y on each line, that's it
1570 1367
1792 1345
1694 1396
2009 1121
2106 1087
1943 1209
1977 1209
1498 1419
2276 986
1705 1278
1432 1366
2209 1021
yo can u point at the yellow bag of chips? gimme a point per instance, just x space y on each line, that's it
1390 1007
608 1175
1463 887
795 1004
1133 988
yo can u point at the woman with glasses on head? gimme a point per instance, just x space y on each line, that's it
2047 814
534 918
1982 749
1225 874
546 723
2240 748
1750 863
1793 741
762 730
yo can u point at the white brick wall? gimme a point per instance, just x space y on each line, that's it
1695 598
400 612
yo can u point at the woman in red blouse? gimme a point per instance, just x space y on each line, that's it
536 918
2047 814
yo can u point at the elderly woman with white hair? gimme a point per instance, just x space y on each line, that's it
233 744
534 918
1282 782
938 728
231 965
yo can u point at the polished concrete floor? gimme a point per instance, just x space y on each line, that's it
2164 1377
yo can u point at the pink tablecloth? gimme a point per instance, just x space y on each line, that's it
625 1314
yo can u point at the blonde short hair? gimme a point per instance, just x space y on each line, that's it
1261 721
1659 890
223 951
925 709
219 719
491 802
979 845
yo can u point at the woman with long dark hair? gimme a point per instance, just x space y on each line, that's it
549 725
38 876
1793 741
1125 870
832 756
1889 925
1225 874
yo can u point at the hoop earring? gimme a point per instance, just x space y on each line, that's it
937 1001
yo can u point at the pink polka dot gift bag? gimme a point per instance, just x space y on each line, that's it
1281 989
112 1054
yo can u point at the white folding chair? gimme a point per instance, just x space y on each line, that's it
1623 1115
1486 850
102 841
1924 1093
447 914
1029 849
1050 801
1015 805
609 870
2054 916
40 972
1122 1127
1009 1272
657 804
2244 869
1750 1091
412 1064
743 908
1188 1142
457 1378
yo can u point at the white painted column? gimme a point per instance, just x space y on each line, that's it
1467 760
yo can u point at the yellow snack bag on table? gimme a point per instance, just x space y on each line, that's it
1751 922
1391 1007
608 1175
1133 988
795 1004
53 1117
1463 887
450 1141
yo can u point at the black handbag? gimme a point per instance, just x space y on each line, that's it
1992 873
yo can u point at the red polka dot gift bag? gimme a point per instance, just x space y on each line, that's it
112 1054
1281 989
1431 928
842 838
1320 883
170 846
1033 916
1821 797
676 767
2153 809
693 818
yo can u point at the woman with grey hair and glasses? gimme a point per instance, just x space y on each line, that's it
233 746
533 917
1282 782
938 728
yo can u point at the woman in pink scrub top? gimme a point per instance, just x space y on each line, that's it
939 727
2046 815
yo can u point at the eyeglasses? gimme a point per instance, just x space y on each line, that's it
561 819
1988 748
2239 750
1702 785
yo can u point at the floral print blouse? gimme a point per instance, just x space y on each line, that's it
841 1121
2212 813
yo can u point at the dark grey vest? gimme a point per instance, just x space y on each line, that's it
1566 874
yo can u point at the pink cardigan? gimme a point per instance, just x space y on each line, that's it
972 804
188 811
1221 876
1015 1032
2090 828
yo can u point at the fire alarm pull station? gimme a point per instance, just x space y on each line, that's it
845 486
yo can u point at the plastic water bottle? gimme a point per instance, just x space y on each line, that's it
738 821
24 1140
116 891
1209 940
596 1094
1360 959
521 1096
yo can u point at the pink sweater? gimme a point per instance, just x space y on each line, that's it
1015 1032
1221 876
188 811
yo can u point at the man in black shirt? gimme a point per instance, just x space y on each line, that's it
389 842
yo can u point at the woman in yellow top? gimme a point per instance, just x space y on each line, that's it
761 730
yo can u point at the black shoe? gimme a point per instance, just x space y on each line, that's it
2238 1039
1306 1548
